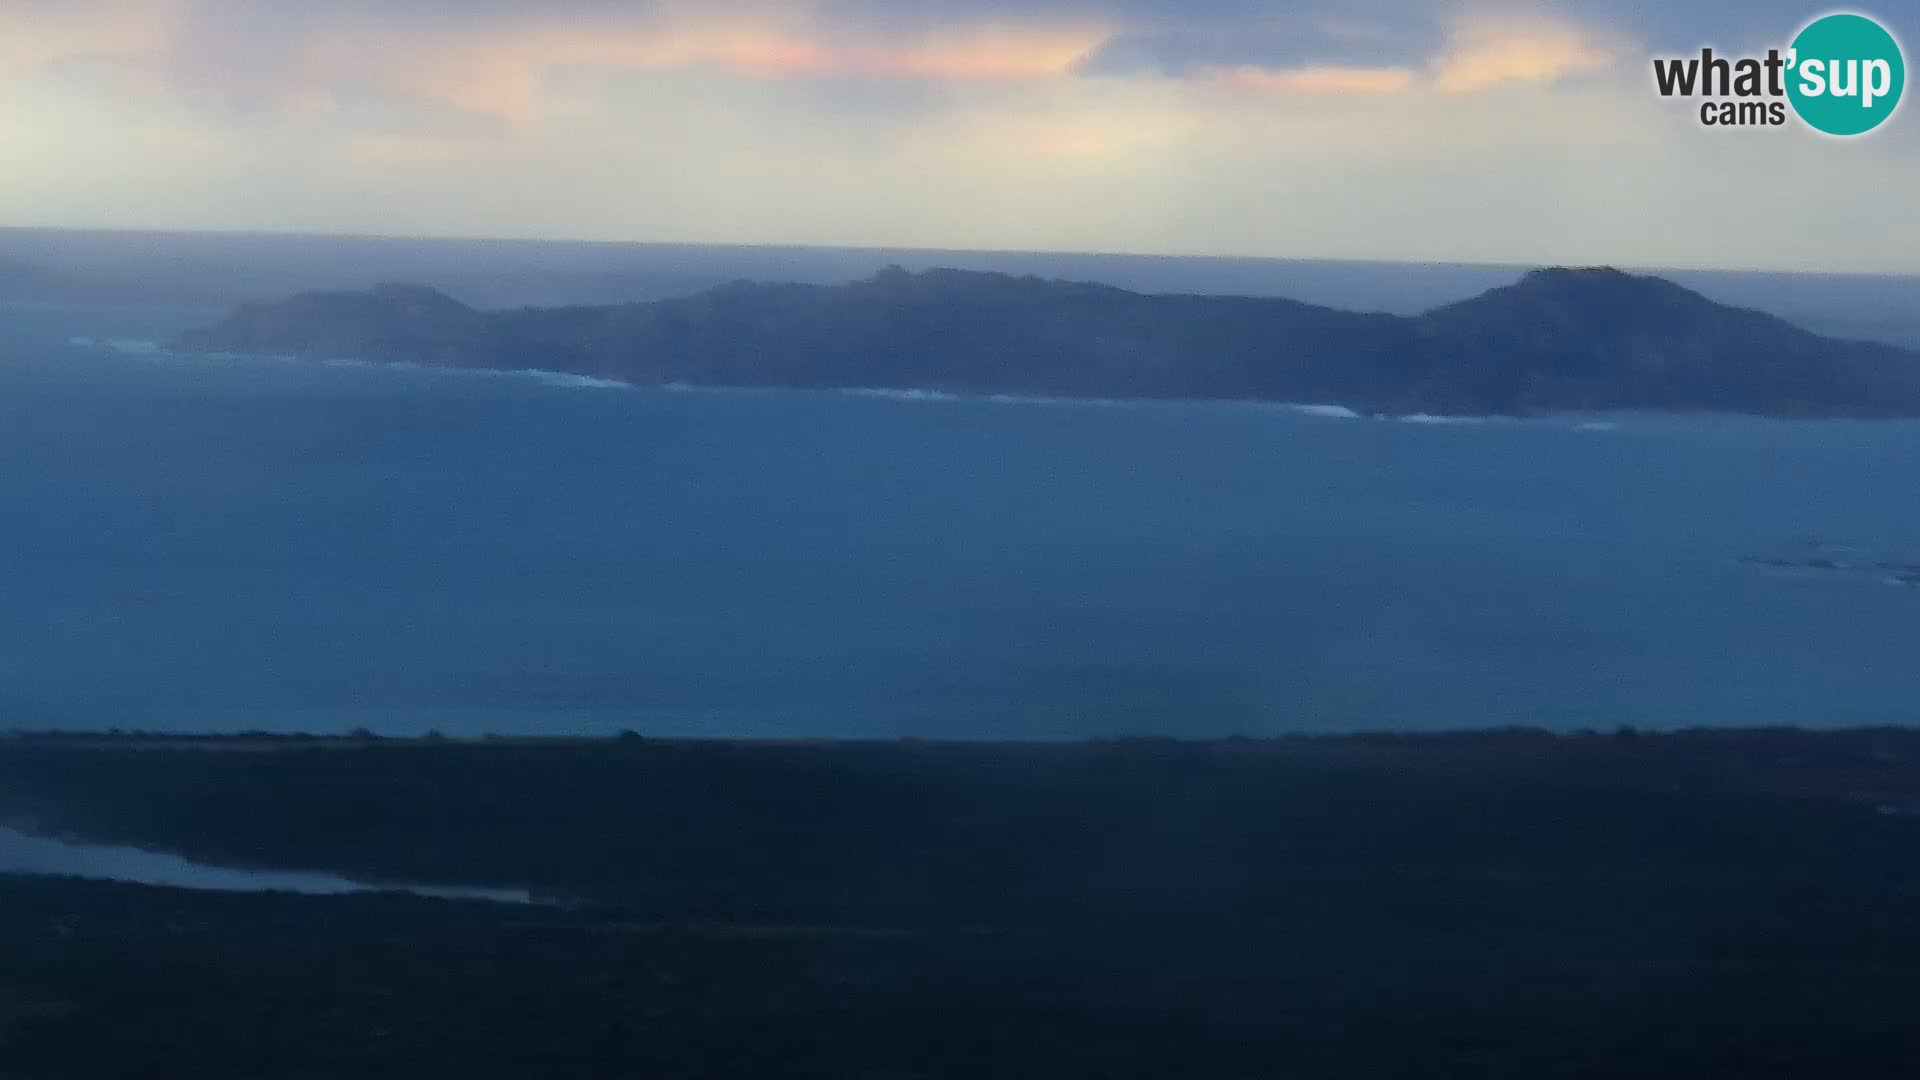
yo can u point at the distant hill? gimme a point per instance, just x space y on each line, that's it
1556 340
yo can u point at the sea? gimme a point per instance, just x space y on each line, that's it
193 544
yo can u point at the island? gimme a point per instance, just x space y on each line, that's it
1557 340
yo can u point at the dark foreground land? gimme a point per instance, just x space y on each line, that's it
1509 904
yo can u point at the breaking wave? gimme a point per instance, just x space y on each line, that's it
900 395
1430 418
129 346
1335 412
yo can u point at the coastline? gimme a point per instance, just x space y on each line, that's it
110 787
1498 904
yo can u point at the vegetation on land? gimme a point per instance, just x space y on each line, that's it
1500 904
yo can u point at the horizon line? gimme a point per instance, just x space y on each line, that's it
1520 265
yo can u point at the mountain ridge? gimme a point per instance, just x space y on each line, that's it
1559 339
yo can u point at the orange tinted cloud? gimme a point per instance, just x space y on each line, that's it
33 34
494 64
1484 53
499 70
497 61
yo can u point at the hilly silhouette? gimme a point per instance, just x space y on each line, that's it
1591 339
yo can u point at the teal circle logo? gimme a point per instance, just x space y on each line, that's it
1845 74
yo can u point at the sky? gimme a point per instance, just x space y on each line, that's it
1390 129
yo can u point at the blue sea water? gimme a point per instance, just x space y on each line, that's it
195 544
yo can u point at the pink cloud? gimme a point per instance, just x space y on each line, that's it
494 64
1317 79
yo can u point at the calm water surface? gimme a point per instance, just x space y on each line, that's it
189 544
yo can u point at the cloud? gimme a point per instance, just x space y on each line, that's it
1199 47
251 45
1271 127
493 58
403 150
37 34
1323 79
1329 55
496 59
1486 52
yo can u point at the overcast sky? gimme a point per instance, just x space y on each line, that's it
1397 129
